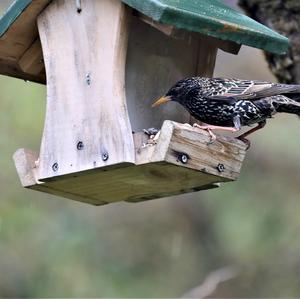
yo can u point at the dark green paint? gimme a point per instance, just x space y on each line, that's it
212 17
209 17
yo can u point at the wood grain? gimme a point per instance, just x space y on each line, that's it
158 171
32 61
85 58
156 61
17 39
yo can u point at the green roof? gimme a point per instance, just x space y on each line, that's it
209 17
214 18
12 13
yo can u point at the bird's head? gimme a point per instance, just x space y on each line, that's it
177 93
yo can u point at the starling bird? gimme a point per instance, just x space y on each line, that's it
229 104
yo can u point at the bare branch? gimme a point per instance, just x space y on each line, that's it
211 282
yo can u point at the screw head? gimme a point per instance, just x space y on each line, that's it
55 166
105 156
88 79
80 145
221 167
183 158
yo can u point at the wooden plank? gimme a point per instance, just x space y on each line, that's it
134 183
32 61
155 62
229 46
26 162
172 31
207 54
87 125
18 37
222 158
159 171
164 28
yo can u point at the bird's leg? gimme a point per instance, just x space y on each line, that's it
213 137
243 136
209 129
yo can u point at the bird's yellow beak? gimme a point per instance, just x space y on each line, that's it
161 100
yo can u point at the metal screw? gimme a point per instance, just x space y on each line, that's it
221 167
80 145
55 166
105 156
88 79
78 6
183 158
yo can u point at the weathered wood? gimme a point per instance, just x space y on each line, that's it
223 158
207 54
159 170
206 60
169 30
229 46
87 124
164 28
17 39
155 61
32 61
26 162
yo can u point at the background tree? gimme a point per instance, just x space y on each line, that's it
283 17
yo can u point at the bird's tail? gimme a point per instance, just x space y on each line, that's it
279 103
285 104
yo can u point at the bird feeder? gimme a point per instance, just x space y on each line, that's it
104 62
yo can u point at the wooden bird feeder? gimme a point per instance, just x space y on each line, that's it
104 62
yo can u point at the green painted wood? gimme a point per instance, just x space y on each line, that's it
209 17
214 18
12 13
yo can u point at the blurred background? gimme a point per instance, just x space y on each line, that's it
54 247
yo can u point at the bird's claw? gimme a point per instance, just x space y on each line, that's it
212 136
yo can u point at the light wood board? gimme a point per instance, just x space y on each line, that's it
85 56
158 172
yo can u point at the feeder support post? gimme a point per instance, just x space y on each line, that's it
87 124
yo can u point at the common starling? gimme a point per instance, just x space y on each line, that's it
229 104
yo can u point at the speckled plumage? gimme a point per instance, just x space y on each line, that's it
234 102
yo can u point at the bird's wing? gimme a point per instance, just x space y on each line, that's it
247 89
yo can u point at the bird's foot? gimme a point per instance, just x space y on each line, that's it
207 128
245 140
211 127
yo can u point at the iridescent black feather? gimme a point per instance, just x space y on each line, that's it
234 102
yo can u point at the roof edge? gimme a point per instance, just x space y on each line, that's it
273 42
276 43
11 14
